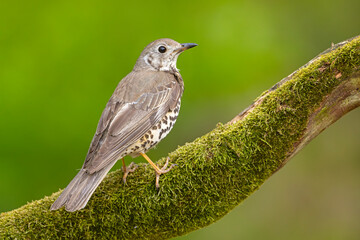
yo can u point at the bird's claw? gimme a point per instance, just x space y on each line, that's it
131 168
163 170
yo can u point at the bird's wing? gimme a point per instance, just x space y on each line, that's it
129 115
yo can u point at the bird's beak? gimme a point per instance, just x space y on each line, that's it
185 46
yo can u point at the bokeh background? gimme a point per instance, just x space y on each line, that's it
61 60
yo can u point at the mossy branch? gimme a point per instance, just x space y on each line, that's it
216 171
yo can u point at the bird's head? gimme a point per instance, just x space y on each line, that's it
161 55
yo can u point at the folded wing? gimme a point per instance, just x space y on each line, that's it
127 118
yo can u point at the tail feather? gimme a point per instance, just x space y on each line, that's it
76 195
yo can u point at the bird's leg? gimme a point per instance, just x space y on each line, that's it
127 170
158 170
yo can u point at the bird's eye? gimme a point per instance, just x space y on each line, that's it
162 49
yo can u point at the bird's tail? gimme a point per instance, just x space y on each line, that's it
76 195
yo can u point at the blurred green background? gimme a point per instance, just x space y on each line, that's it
61 60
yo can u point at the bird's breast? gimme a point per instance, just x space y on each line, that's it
158 132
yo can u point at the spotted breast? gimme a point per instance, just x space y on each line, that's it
155 134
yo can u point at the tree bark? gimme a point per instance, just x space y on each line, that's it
215 172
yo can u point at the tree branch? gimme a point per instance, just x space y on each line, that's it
216 171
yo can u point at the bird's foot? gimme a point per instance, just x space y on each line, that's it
131 168
163 170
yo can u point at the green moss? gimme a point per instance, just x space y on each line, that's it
214 173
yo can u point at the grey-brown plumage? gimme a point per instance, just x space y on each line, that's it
140 113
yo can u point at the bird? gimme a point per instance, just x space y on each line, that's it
140 113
